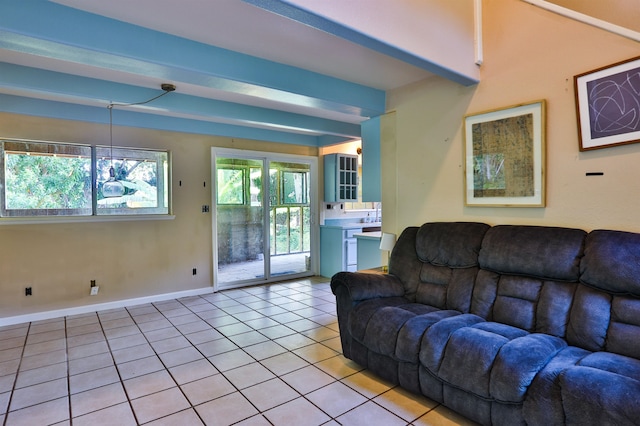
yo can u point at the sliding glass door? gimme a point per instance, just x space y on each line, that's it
263 217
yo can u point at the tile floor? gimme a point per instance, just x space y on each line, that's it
267 355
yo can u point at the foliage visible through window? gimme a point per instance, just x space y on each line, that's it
295 189
289 209
255 186
231 186
144 175
55 179
289 184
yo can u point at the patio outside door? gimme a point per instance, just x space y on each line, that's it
263 221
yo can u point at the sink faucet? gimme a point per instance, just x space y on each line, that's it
378 212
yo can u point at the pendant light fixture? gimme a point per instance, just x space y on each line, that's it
113 187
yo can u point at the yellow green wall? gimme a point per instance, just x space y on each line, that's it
529 54
127 259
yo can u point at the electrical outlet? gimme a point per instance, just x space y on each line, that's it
94 290
194 271
205 209
27 291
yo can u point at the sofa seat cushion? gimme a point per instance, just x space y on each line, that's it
436 338
496 361
602 389
543 405
361 314
412 332
390 326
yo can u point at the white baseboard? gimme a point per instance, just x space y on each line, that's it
39 316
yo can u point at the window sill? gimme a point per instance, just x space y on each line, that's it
81 219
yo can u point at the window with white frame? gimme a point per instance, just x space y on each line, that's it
61 179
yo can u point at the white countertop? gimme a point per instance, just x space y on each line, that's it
377 235
353 225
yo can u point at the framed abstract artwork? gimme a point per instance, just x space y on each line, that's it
505 157
608 105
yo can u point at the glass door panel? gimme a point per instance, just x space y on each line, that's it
257 244
290 226
240 219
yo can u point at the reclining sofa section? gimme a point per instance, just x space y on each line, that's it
506 325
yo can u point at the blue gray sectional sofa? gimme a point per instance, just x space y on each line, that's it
507 325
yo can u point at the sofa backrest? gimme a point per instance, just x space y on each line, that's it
528 277
606 312
438 263
558 281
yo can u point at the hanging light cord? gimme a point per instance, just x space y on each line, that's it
167 88
111 139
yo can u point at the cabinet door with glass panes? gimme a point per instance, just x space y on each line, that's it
340 177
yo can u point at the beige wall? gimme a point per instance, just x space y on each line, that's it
530 54
127 259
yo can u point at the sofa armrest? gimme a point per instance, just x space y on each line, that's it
362 286
352 288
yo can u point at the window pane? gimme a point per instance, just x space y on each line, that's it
45 179
230 186
294 187
273 187
255 186
295 230
282 230
143 175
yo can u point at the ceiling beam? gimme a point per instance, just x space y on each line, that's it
70 88
67 111
49 34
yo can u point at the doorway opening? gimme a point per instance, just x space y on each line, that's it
263 217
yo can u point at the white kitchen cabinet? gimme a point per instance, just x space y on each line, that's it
340 178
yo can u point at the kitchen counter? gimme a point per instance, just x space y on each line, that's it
339 246
369 253
353 225
375 235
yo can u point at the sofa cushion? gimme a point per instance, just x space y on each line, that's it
602 390
518 363
533 304
451 244
404 262
602 318
361 314
436 338
554 307
446 288
382 330
589 319
624 329
468 358
496 361
536 251
613 363
516 301
543 405
411 333
612 262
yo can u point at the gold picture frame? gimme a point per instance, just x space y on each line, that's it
505 157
